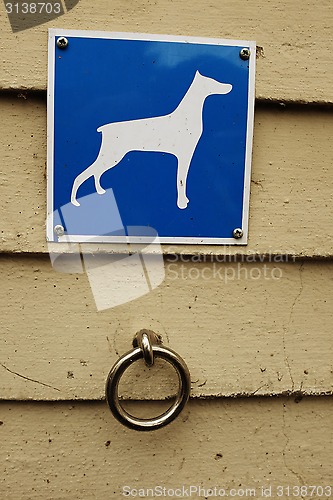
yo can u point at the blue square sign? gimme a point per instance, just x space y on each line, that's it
149 133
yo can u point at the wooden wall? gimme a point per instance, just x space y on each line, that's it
256 335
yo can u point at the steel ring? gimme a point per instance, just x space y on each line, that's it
169 415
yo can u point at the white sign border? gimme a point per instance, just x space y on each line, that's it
55 32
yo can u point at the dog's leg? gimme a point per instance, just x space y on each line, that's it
106 159
79 180
98 186
95 170
183 166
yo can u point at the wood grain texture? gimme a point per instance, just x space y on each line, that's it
295 56
69 451
243 329
291 201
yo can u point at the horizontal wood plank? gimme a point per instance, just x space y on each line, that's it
291 201
294 56
243 329
60 451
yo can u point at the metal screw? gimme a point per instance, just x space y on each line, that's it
62 42
59 230
245 53
237 233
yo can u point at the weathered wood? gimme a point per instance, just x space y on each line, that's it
294 56
243 329
64 451
291 192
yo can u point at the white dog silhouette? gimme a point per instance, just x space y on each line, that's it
177 133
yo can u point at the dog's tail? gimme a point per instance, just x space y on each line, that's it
100 129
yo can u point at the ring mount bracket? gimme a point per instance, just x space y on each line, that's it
145 339
147 346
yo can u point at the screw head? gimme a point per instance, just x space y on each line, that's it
244 53
59 230
238 233
62 42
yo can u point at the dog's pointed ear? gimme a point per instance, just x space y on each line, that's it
198 73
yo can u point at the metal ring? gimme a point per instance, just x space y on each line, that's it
169 415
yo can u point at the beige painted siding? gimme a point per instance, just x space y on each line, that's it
291 200
242 328
77 451
295 56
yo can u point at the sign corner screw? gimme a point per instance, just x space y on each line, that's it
244 53
59 230
238 233
62 42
